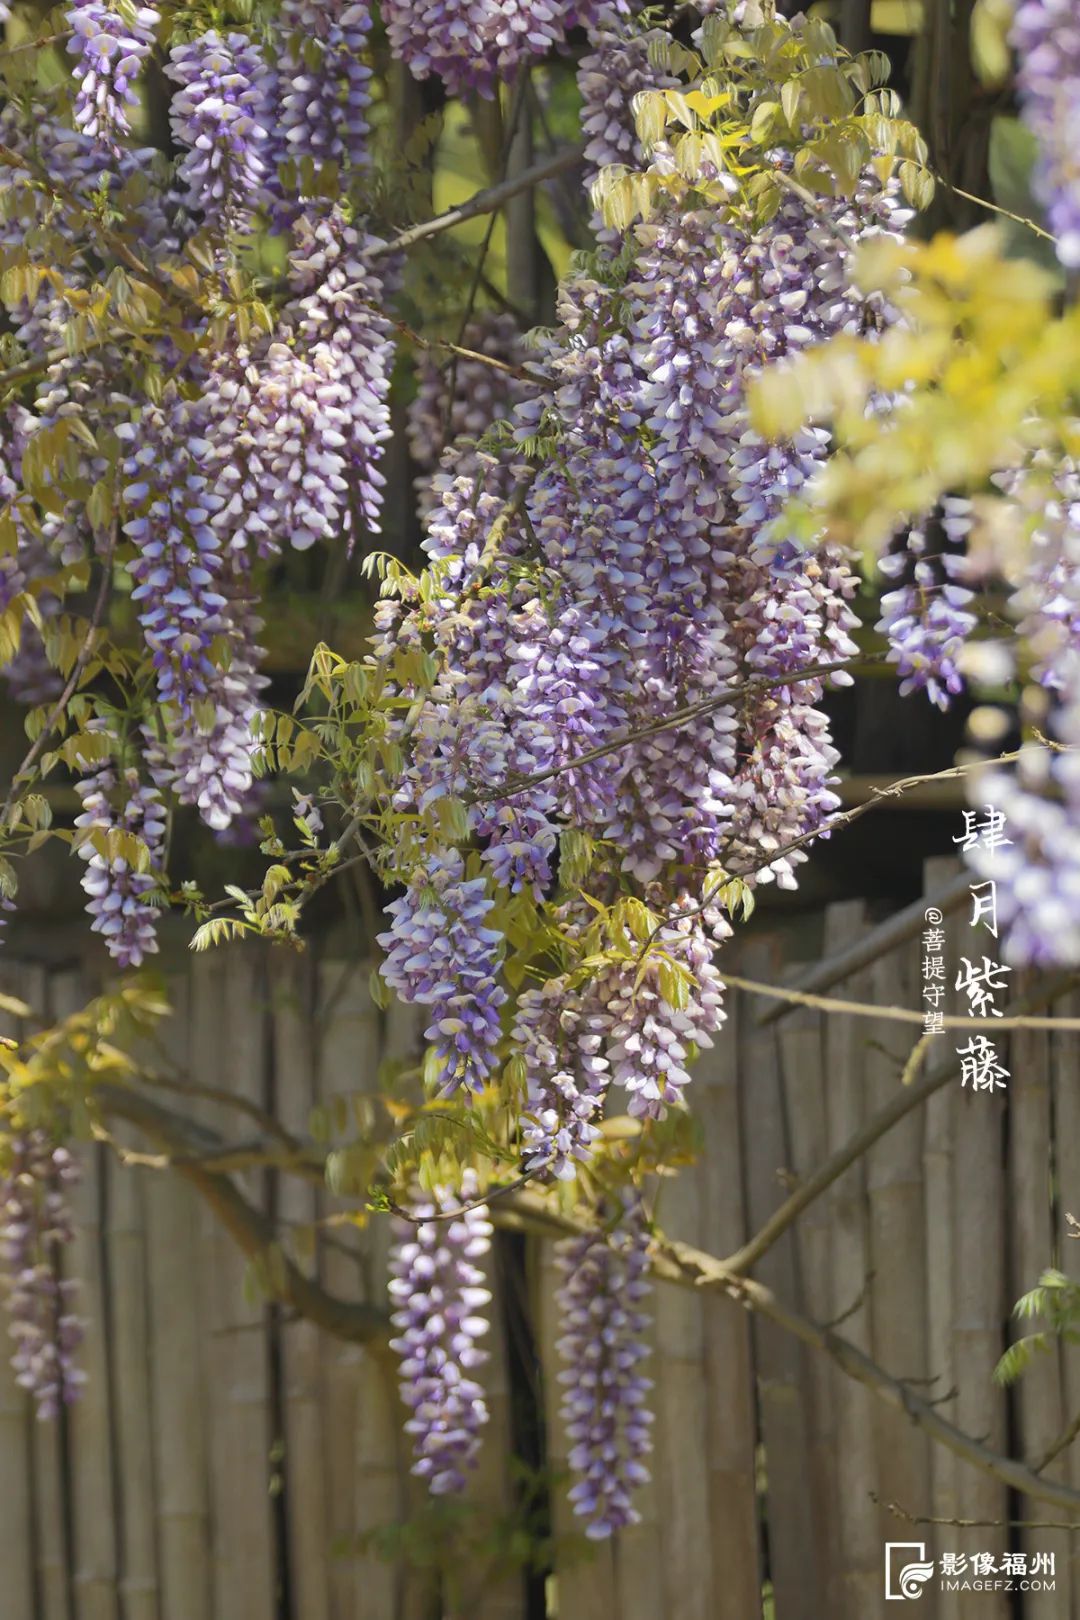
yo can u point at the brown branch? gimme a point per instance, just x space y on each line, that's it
897 1015
1062 1443
37 44
907 1099
254 1232
692 1268
895 930
972 1524
482 202
668 722
879 796
466 1209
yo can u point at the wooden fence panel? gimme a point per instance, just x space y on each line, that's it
16 1436
154 1501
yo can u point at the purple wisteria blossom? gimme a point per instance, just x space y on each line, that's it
215 115
478 44
205 755
319 96
111 42
604 1281
342 331
1037 872
440 954
457 401
927 619
177 565
117 800
615 69
438 1289
559 1035
647 1041
1046 37
35 1223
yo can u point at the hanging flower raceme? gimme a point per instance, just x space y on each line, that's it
117 801
1035 864
440 954
614 71
1046 38
205 755
215 115
478 44
177 564
438 1289
927 619
35 1224
603 1283
342 333
111 40
559 1034
319 101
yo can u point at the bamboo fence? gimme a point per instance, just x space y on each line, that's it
231 1462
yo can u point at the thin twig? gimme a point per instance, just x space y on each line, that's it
466 1209
972 1524
898 1015
37 44
482 202
1062 1443
907 1099
668 722
996 208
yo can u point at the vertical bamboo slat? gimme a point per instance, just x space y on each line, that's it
176 1335
938 1146
1037 1395
799 1036
781 1365
859 1541
681 1406
358 1502
304 1418
897 1246
16 1512
228 1018
730 1426
133 1430
979 1211
94 1567
1065 1074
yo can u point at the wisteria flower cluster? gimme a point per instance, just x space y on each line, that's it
318 97
216 116
118 801
646 573
927 619
35 1224
111 41
1037 870
478 44
604 1405
441 955
1046 36
438 1291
